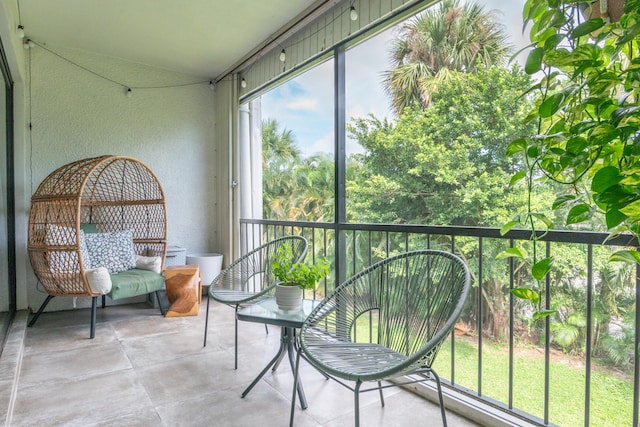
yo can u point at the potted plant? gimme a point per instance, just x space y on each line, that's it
294 277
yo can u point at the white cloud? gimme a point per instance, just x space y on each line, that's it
324 144
302 104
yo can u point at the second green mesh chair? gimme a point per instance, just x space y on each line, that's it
249 278
386 322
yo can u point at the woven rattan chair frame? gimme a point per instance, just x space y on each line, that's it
113 193
404 307
249 278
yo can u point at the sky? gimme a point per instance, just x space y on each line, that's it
304 105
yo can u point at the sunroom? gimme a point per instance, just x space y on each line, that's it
195 91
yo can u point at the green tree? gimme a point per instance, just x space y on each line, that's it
451 37
277 147
446 165
280 155
294 188
452 154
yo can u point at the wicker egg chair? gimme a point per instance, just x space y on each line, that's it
104 195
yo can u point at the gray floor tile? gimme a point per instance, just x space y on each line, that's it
74 364
81 402
146 370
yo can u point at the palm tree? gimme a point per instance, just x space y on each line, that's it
277 146
280 155
317 178
450 37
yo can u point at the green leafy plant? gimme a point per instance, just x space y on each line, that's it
588 125
302 274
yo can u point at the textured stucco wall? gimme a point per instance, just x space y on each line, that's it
75 114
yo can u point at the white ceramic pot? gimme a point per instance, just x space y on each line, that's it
210 265
288 297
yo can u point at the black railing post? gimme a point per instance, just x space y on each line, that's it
547 337
636 353
480 314
511 323
587 378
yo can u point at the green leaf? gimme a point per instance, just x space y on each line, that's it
614 217
627 256
526 294
603 133
579 213
553 41
508 226
632 209
631 34
534 61
623 112
576 144
587 27
582 127
512 253
615 196
533 151
562 200
542 217
517 178
516 146
551 105
558 127
605 178
541 314
541 268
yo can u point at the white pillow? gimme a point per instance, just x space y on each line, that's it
151 263
99 280
114 251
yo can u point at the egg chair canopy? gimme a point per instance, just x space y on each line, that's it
100 194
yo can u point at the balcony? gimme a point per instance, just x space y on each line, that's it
516 367
145 370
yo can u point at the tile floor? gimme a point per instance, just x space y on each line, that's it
146 370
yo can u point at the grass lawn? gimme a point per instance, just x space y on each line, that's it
611 394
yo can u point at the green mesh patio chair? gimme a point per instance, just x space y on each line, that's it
249 278
386 322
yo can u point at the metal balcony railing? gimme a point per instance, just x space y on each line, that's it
497 329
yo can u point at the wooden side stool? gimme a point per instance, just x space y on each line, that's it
183 290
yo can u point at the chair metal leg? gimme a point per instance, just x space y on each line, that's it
92 331
104 301
440 398
162 310
356 399
40 310
206 321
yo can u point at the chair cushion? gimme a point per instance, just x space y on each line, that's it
88 227
135 282
151 263
114 251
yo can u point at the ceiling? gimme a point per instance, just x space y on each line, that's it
203 38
